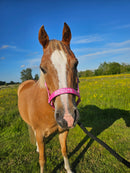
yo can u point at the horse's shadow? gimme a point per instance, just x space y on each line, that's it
99 120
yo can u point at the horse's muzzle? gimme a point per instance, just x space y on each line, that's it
67 120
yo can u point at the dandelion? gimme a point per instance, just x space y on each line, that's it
95 95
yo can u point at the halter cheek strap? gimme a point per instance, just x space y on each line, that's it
62 91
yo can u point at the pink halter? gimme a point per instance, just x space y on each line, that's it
62 91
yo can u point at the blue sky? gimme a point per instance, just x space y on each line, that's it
100 32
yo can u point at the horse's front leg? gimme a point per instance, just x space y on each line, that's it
62 139
40 143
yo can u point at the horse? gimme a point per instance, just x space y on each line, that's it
50 104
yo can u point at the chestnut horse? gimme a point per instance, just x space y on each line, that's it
58 71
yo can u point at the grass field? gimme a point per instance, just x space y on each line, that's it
104 111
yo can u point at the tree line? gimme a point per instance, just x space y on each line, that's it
26 74
107 69
8 83
103 69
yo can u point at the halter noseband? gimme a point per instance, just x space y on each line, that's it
62 91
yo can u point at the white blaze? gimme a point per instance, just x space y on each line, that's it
59 61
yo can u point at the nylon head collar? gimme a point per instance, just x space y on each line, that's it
63 91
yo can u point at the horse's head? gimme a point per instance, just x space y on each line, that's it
58 71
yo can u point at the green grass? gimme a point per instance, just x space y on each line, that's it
104 111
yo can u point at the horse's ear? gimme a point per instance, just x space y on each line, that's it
66 35
43 37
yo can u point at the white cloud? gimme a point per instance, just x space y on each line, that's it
122 26
22 66
34 61
7 46
86 39
4 46
107 52
84 49
34 67
32 53
14 48
124 43
30 66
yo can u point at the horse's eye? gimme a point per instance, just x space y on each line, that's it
43 70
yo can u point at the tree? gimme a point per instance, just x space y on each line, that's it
103 68
125 68
86 73
114 68
98 72
89 73
108 68
12 82
36 77
26 74
2 82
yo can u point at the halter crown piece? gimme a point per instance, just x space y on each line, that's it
62 91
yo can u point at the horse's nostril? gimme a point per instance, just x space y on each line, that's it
57 115
75 115
62 123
